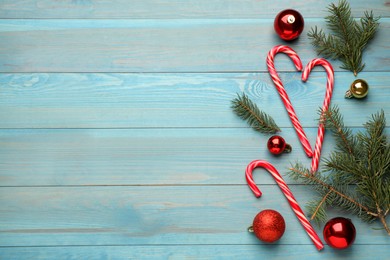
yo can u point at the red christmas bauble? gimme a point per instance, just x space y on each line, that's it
277 145
339 233
289 24
268 226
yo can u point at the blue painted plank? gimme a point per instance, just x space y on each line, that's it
142 156
153 215
72 100
168 45
170 182
291 252
141 9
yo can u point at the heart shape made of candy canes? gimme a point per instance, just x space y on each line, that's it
290 109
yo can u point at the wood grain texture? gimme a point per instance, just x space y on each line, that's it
190 45
179 252
73 100
117 140
151 215
152 9
216 156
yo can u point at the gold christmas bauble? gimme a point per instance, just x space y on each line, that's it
358 89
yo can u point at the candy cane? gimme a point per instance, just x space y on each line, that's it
279 86
286 191
328 95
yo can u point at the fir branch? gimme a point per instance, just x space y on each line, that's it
318 208
341 22
333 120
346 169
374 144
326 44
369 26
248 111
363 160
348 38
344 199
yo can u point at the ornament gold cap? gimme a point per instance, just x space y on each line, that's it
250 229
287 149
358 89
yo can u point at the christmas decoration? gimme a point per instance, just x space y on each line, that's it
268 226
258 120
362 159
339 233
288 24
290 109
328 95
348 38
283 94
277 145
358 89
287 193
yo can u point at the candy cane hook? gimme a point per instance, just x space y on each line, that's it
328 95
286 191
283 94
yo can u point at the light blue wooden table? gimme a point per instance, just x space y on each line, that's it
117 140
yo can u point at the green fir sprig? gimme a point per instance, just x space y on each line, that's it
247 110
356 175
348 37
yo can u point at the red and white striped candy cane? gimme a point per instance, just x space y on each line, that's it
286 191
282 92
328 95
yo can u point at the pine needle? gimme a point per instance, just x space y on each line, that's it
356 175
248 111
348 37
333 120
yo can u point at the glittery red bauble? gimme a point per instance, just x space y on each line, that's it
289 24
339 233
268 226
276 144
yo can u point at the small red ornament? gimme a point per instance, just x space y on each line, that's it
277 145
289 24
339 233
268 226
